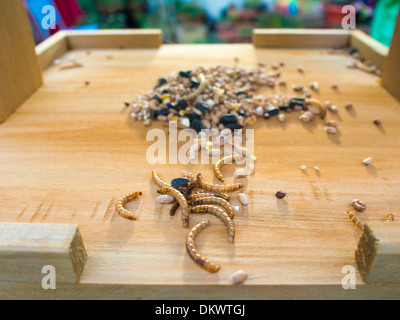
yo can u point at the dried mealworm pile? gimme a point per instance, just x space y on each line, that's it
208 199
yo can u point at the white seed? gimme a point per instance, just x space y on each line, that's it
331 123
314 109
165 199
314 85
281 118
333 108
367 161
316 168
307 116
238 277
236 208
303 167
147 122
185 122
240 173
243 199
331 130
57 61
259 111
300 68
243 151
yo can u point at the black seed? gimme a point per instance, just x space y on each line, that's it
163 112
201 107
280 194
185 74
297 102
194 84
242 92
179 182
157 97
165 91
352 50
161 82
284 108
153 114
182 104
172 106
233 126
272 111
242 113
192 116
197 125
228 119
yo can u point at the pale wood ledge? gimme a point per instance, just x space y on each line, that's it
26 247
103 39
303 38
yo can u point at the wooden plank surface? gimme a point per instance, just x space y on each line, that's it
301 38
71 151
25 248
20 73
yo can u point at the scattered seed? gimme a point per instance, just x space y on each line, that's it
349 106
281 118
243 199
240 173
280 194
238 277
316 168
165 199
377 122
335 86
359 205
314 85
367 160
300 69
331 130
331 123
303 167
389 217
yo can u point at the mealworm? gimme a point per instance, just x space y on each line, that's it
185 194
319 105
192 251
216 201
209 194
220 214
360 225
221 162
190 176
200 88
216 187
182 202
119 205
158 181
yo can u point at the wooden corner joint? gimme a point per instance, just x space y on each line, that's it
26 248
378 253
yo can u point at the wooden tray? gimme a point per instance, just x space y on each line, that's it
70 151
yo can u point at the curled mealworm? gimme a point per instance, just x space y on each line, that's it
192 251
359 224
182 202
216 187
119 205
222 161
220 214
185 193
200 89
190 176
319 105
158 181
216 201
209 194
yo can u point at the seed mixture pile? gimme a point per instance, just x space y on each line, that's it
224 97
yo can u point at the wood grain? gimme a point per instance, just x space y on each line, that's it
75 148
20 73
25 248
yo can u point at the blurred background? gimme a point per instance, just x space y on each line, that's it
213 21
